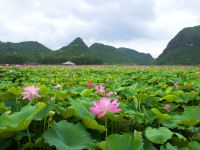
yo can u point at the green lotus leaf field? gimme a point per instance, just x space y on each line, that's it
99 108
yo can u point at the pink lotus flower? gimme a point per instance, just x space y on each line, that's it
25 65
176 85
167 107
90 84
104 106
110 93
17 66
30 92
100 89
58 86
6 66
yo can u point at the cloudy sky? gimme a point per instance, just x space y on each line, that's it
143 25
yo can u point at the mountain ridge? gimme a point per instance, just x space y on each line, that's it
76 51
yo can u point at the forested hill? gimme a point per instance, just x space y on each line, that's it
112 55
183 49
22 52
76 51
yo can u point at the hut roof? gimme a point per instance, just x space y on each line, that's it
68 63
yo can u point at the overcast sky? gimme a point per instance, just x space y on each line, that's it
143 25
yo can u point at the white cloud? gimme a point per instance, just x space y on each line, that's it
144 25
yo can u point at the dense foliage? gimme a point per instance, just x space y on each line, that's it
48 107
183 49
77 51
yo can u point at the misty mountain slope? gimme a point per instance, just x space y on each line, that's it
183 49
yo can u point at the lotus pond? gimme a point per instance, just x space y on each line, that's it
99 108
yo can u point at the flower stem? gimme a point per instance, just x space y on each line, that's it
29 138
44 127
106 125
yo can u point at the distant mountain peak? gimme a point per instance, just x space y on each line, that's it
78 40
96 43
138 57
112 55
76 51
101 45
